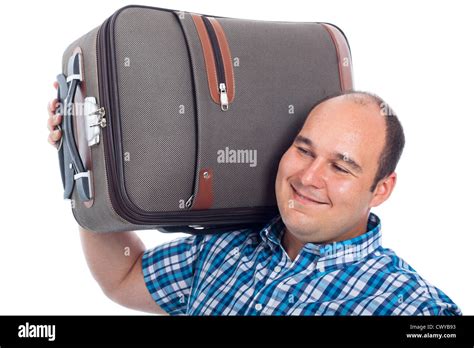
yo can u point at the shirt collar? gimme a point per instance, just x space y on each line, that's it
336 253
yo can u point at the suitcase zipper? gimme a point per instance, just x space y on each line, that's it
119 200
221 82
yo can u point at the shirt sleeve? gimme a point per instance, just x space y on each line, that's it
168 271
436 307
436 302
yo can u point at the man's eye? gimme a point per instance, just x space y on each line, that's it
340 169
303 151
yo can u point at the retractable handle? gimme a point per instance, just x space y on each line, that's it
73 170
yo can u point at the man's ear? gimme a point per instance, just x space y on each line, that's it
383 190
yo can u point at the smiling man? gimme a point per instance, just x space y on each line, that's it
320 256
341 164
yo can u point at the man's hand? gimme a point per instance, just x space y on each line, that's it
53 121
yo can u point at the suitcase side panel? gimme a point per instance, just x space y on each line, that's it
100 217
156 103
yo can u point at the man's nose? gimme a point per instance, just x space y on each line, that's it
314 174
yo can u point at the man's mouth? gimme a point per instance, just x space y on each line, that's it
304 199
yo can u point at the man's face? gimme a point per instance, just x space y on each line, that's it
324 178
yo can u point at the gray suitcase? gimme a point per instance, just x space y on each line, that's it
176 121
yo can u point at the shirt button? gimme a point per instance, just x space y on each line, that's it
258 307
277 269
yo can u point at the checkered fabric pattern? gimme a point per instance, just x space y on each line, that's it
247 272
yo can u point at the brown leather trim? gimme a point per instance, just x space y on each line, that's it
226 57
204 195
80 131
208 57
343 57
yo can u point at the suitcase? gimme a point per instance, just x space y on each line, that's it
176 121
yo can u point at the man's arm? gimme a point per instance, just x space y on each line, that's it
115 262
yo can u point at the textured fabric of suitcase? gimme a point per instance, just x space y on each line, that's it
192 114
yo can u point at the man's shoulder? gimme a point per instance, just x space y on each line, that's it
418 294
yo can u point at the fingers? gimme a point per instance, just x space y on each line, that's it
54 136
52 106
53 121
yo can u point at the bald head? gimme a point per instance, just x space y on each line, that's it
373 116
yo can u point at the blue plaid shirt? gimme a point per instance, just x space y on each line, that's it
247 272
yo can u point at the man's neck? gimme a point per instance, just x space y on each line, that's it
291 244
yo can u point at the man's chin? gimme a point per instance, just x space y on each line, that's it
301 225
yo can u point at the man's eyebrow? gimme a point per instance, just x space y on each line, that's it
304 140
349 161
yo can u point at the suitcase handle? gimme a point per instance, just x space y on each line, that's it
73 170
67 173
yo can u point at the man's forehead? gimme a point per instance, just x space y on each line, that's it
357 104
349 116
347 125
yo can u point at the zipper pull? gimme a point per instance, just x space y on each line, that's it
101 120
223 97
95 120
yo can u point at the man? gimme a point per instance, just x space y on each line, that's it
320 256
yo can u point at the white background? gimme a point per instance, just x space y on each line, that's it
418 56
